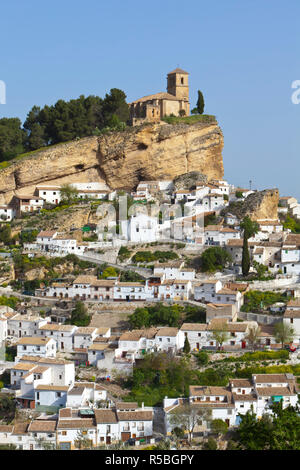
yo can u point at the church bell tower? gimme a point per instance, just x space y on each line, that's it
178 84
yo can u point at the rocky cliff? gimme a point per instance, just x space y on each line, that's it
261 205
120 159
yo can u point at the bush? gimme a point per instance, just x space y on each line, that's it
202 358
124 253
148 256
257 301
210 444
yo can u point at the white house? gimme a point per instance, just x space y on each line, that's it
132 291
291 317
84 337
240 396
177 289
169 339
7 213
142 228
62 334
25 325
50 397
28 203
96 352
36 346
3 329
86 394
50 194
219 235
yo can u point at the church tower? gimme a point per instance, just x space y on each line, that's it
178 84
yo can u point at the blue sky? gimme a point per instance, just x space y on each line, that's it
243 55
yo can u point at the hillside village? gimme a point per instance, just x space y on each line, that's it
100 285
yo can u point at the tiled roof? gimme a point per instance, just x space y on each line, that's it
41 425
199 391
135 415
77 423
194 327
168 331
106 416
292 314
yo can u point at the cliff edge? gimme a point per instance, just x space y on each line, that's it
120 159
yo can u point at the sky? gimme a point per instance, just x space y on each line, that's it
243 55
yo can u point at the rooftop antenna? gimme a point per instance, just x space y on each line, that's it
250 184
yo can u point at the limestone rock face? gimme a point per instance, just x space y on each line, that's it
261 205
120 159
161 152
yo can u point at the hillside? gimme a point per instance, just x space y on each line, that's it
120 159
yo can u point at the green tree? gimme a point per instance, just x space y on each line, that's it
213 259
68 193
114 104
5 234
79 316
200 103
250 228
245 257
284 333
253 334
218 426
81 440
186 346
189 416
12 138
220 334
279 431
140 318
110 271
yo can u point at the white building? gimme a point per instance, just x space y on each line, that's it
62 334
36 346
86 394
142 228
28 203
7 213
96 352
219 235
25 325
240 396
84 337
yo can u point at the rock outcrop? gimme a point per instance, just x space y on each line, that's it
261 205
120 159
161 152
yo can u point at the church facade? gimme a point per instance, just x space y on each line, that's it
175 101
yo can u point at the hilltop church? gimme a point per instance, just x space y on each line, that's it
175 101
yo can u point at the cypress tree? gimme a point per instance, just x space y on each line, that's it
200 102
186 347
245 256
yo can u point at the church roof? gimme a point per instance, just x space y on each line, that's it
157 96
178 70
